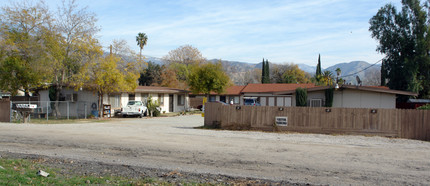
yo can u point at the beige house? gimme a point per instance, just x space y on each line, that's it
347 96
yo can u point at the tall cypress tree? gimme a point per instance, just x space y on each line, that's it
263 72
267 72
318 72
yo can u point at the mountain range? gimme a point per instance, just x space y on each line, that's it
368 73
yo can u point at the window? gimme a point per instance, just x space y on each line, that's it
71 97
212 98
236 99
280 101
316 103
115 101
131 97
161 99
144 98
181 99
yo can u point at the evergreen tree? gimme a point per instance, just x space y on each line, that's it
318 72
301 97
267 72
403 37
263 72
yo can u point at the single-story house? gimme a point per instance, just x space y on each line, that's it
78 103
346 96
170 99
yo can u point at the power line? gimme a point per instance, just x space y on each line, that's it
362 69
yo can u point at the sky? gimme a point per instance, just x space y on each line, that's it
284 31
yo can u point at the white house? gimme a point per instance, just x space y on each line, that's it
81 103
170 99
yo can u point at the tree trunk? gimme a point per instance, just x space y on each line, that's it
100 104
56 110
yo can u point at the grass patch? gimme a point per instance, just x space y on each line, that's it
23 172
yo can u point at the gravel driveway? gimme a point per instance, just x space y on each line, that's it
172 143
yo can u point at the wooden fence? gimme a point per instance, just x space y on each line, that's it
4 111
410 124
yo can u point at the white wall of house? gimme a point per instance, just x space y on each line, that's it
76 108
316 99
155 96
363 99
271 100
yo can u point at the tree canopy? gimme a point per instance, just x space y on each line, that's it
288 73
403 37
22 46
179 63
151 75
208 77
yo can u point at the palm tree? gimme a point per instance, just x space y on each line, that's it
141 39
327 76
338 72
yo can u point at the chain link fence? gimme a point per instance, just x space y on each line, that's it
50 110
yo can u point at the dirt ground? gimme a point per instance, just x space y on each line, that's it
160 146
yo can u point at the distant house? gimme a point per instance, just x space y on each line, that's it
170 99
79 103
347 96
4 94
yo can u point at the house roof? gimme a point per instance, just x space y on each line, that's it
232 90
153 89
272 88
380 89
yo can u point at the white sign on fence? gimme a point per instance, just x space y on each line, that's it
24 106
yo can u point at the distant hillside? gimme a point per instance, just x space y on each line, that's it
239 72
155 60
353 67
307 68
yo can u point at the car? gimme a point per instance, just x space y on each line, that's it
220 102
251 101
134 108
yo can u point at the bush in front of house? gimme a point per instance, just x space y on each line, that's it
301 97
153 107
424 107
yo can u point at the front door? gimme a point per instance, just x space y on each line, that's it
171 101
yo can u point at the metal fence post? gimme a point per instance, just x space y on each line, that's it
47 110
85 106
11 112
68 110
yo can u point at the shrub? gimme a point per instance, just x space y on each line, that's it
329 97
301 97
424 107
152 106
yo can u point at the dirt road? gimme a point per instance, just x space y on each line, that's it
173 144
